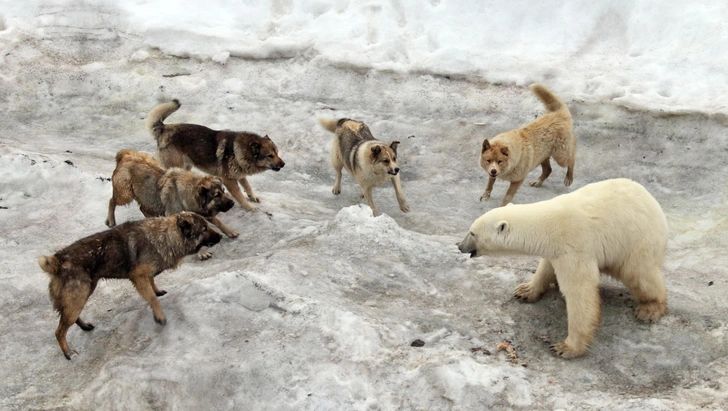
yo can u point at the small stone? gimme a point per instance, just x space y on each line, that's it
418 343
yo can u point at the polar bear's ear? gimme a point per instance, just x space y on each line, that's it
501 227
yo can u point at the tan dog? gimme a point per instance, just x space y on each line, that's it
230 155
370 161
137 250
159 192
512 155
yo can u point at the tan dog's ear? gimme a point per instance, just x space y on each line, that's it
266 137
486 145
376 150
394 146
504 150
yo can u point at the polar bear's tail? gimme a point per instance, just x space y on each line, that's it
548 98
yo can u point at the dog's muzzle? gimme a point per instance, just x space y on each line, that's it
277 167
393 172
212 238
226 205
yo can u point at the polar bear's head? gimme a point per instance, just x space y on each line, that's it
489 235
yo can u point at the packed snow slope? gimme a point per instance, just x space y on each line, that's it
316 304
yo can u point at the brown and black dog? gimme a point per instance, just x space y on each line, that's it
137 250
159 192
230 155
370 161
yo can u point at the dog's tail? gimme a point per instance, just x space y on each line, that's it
121 155
548 98
329 123
157 115
49 264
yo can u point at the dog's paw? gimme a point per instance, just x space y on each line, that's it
110 224
336 190
404 207
564 350
250 207
526 294
535 183
70 353
160 320
484 197
254 198
568 181
86 326
160 293
204 255
232 234
650 312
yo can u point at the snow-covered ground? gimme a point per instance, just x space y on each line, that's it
316 304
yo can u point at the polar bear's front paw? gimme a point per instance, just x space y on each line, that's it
526 293
650 312
564 350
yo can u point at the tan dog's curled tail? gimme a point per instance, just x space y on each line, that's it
548 99
49 264
329 124
158 114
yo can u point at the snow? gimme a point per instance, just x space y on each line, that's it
316 304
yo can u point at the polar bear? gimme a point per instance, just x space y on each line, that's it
613 226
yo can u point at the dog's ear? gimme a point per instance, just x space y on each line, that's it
376 150
486 145
204 191
504 151
266 137
185 225
255 148
394 146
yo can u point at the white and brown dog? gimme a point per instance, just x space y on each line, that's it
512 155
371 162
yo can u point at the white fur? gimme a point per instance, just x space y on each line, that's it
614 226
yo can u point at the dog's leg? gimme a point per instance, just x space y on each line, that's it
338 164
570 173
142 278
224 228
147 212
72 300
403 205
249 190
81 323
532 291
488 189
579 283
156 290
110 217
512 189
234 189
545 172
368 195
